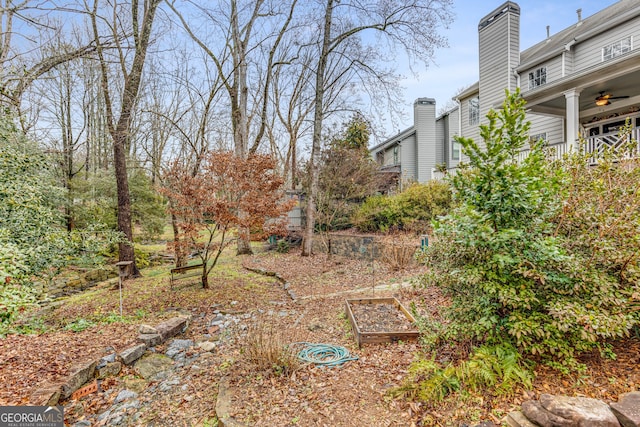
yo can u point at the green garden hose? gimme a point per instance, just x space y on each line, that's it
324 354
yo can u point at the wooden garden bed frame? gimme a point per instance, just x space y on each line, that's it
365 337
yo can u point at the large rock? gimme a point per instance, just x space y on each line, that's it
534 411
517 419
146 329
80 374
47 395
150 367
132 354
563 411
109 370
627 410
136 384
172 327
150 340
124 395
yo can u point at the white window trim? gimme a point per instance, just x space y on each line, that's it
474 119
538 136
455 144
542 70
610 45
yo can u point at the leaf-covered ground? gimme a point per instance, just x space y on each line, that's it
84 326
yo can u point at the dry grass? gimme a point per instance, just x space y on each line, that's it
398 252
268 349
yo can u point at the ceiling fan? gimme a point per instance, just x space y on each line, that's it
605 98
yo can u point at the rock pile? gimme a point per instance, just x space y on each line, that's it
561 411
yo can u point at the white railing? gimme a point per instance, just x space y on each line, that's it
553 151
597 145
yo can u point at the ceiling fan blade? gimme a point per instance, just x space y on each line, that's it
618 97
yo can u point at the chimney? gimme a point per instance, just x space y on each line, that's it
548 31
579 12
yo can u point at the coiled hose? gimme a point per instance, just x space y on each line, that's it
324 354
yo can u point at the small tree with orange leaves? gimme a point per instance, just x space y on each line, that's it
227 193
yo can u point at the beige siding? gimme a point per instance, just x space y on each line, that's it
589 53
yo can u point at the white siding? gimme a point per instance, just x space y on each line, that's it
453 131
589 53
499 44
553 126
468 131
425 126
554 72
408 158
441 130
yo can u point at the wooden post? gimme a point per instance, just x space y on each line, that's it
123 273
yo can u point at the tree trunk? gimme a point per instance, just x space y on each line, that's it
317 133
205 277
120 131
179 252
125 249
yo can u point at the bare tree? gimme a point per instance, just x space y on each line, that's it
408 24
120 127
233 61
38 25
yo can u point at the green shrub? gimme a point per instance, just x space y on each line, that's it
377 213
411 210
512 274
283 246
420 203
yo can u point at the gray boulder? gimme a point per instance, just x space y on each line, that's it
627 410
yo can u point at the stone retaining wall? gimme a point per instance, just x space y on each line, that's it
358 247
82 280
364 247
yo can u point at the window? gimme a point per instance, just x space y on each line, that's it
538 136
396 151
455 150
537 77
617 48
614 127
474 111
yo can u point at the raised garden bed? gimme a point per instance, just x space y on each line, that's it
380 320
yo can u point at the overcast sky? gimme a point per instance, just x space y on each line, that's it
456 67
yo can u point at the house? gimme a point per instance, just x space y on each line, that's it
583 81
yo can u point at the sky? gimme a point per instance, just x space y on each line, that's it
456 67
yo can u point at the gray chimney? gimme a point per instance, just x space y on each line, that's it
579 12
548 31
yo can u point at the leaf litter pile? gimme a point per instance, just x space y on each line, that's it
354 394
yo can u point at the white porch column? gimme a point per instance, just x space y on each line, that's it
572 119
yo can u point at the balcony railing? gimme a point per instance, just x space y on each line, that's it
595 145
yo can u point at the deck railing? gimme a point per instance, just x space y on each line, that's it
594 145
597 145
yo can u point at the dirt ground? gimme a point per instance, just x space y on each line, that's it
352 395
